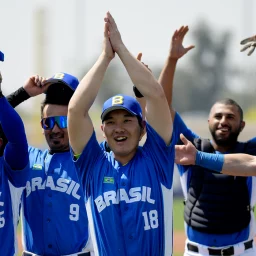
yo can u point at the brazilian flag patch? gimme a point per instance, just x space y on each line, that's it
37 167
108 180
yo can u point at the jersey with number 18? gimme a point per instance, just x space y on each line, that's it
129 207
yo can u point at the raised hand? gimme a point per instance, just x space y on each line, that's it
177 50
113 32
107 47
250 43
185 154
36 85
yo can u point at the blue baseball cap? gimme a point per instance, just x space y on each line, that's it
67 79
121 101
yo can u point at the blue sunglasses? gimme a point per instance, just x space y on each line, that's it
49 122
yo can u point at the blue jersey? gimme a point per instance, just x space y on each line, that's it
129 207
217 240
12 184
54 215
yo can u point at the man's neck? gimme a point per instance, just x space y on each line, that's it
223 148
54 151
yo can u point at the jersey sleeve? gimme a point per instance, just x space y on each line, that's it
251 147
16 150
161 154
180 127
87 160
18 178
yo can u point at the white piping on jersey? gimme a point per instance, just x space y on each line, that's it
2 219
16 202
69 187
136 194
168 220
92 227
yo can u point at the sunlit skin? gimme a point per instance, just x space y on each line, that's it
225 125
56 138
122 133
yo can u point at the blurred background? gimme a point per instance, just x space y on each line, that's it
44 37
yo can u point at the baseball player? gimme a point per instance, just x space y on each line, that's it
129 190
231 164
218 208
53 214
13 174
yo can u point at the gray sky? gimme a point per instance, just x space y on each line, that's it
73 31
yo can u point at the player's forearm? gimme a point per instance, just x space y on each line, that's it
230 164
17 97
239 165
89 86
139 74
166 78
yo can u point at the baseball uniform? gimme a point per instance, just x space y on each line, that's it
204 235
53 213
129 206
13 176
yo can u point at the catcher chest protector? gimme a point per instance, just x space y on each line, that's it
217 203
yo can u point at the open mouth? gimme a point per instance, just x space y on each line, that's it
224 129
120 139
56 137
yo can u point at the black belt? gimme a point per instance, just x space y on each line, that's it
229 251
80 254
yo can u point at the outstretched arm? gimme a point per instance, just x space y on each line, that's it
146 84
250 43
177 50
16 150
80 127
230 164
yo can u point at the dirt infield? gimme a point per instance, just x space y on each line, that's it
179 241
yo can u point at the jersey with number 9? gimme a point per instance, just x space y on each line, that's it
54 215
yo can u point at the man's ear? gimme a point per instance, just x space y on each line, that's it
104 136
142 129
242 125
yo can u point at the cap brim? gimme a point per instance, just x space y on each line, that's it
57 81
107 111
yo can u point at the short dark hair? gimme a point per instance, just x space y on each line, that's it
231 102
57 94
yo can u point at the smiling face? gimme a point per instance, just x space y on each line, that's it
56 137
123 133
225 125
